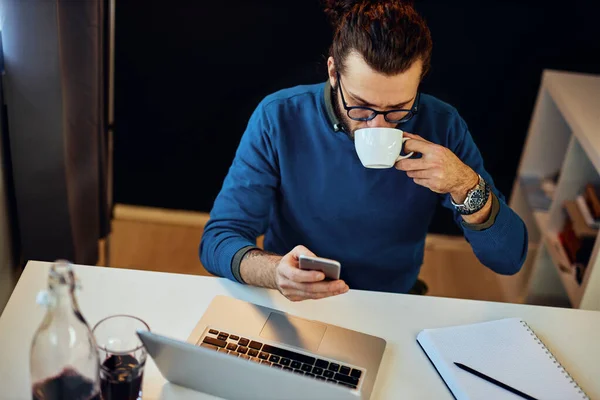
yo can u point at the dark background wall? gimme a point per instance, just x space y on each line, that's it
189 74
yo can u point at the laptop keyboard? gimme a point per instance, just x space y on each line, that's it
277 357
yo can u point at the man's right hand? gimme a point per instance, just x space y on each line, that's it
297 284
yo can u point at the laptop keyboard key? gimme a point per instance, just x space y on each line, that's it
213 331
317 371
265 362
231 346
242 349
255 345
306 368
222 336
311 375
209 346
297 371
233 353
296 364
328 374
256 360
346 385
356 373
322 364
285 361
252 352
233 337
274 359
277 366
223 350
244 356
214 342
346 379
243 342
334 367
320 378
288 354
288 368
331 380
263 356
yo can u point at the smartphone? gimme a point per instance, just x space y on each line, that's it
330 268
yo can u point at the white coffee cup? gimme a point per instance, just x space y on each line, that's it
379 147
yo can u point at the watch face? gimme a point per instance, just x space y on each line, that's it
476 199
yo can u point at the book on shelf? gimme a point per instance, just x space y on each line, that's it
536 192
569 241
586 214
577 240
592 199
577 252
580 224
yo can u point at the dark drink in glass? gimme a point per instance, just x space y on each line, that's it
68 385
122 356
121 378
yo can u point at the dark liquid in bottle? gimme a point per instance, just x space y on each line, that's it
121 378
68 385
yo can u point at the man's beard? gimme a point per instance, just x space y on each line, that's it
344 120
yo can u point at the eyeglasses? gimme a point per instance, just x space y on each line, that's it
362 113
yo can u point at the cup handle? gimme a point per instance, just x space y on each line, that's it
404 139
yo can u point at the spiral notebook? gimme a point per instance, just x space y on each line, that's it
506 350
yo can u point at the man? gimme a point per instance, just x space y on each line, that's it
297 179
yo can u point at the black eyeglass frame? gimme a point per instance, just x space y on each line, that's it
374 113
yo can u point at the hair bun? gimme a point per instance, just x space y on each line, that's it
336 9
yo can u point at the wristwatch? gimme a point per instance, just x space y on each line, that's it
476 199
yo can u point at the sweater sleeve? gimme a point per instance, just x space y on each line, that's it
241 209
503 246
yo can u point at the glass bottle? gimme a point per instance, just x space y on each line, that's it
64 360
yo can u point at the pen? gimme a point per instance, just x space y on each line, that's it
495 382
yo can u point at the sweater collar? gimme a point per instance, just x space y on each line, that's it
331 116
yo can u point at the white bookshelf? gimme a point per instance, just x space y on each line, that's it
564 137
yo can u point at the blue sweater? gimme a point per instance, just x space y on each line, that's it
299 182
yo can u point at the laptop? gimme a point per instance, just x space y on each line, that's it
240 350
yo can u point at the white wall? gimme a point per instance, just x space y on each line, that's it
7 270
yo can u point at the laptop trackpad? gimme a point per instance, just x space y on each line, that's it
293 331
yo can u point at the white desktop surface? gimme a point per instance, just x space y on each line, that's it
172 304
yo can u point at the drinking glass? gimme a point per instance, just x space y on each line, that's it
122 356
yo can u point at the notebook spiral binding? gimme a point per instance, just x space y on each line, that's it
555 361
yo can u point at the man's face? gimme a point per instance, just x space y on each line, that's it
362 86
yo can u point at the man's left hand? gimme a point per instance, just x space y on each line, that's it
439 169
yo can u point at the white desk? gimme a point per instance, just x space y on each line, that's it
172 304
